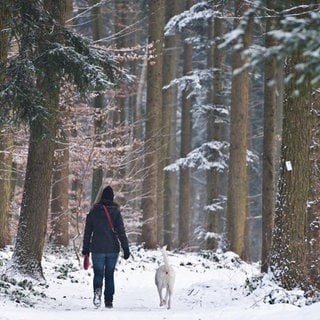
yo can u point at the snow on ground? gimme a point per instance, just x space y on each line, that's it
208 286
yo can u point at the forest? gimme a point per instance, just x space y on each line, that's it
202 115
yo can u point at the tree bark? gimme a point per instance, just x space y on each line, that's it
6 139
186 125
237 178
214 128
289 239
169 127
28 250
123 17
98 104
269 145
153 122
294 259
120 21
32 229
60 215
313 213
6 144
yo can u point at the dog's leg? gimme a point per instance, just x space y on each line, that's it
168 297
160 296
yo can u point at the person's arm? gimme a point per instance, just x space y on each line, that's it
121 232
87 235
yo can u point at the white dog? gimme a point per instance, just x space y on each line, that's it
164 279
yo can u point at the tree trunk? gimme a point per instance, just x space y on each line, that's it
237 178
269 134
313 213
186 125
294 260
6 139
98 104
289 239
169 127
121 17
153 121
214 128
6 144
28 250
60 216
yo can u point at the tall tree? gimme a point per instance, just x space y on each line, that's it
124 15
35 201
60 216
215 61
237 177
98 33
169 128
290 246
121 18
6 136
313 213
34 92
269 134
153 122
289 255
186 126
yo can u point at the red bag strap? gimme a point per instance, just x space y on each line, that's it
109 219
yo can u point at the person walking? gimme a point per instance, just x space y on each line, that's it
103 234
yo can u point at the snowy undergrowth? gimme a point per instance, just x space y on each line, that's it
222 273
20 290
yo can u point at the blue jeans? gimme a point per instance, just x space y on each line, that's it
104 265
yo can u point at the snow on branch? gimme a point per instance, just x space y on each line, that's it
47 49
297 32
194 82
217 204
210 155
188 19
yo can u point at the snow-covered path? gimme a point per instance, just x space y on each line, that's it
204 289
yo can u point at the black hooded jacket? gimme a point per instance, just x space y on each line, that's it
98 236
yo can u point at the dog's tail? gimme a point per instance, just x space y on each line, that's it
165 256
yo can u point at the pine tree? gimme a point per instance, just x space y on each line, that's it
33 90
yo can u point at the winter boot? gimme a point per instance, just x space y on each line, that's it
108 304
97 297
